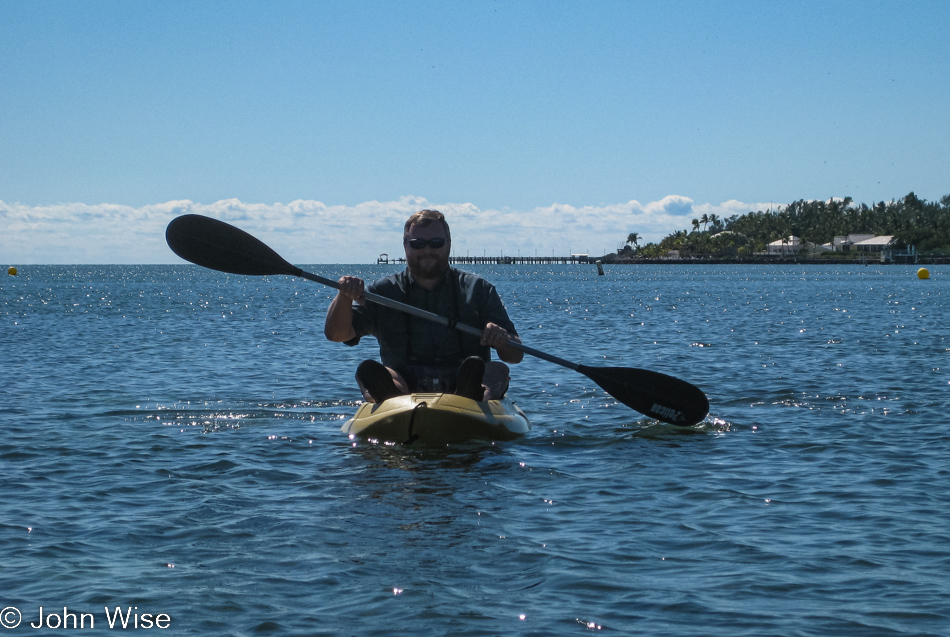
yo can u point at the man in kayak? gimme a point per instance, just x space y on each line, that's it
419 355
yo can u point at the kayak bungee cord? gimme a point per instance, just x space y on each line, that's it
412 419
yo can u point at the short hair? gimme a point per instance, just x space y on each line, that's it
423 218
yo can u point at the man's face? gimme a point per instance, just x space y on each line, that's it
427 262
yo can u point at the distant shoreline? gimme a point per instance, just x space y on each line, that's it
772 261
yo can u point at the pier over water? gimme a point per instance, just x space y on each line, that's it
500 260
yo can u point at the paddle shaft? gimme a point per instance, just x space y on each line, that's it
435 318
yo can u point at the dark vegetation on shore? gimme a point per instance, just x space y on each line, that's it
912 221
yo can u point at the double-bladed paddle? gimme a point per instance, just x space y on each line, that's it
219 246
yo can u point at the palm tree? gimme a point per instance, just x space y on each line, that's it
633 239
695 225
704 220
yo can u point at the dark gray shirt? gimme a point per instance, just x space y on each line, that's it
406 341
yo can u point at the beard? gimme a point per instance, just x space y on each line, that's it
428 267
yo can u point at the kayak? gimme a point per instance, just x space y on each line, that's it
437 419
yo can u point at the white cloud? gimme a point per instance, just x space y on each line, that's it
671 205
314 232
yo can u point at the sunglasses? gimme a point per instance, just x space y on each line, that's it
419 244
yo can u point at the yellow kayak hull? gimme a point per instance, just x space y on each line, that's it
437 419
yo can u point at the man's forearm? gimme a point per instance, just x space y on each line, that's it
339 324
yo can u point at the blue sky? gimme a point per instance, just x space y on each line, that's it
538 127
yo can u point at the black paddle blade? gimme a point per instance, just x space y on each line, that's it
651 393
217 245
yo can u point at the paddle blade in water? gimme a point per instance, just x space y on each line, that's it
651 393
217 245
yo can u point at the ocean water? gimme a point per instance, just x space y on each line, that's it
170 448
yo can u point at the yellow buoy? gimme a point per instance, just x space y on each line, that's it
923 273
11 271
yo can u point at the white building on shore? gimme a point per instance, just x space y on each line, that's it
862 243
849 243
874 244
794 245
